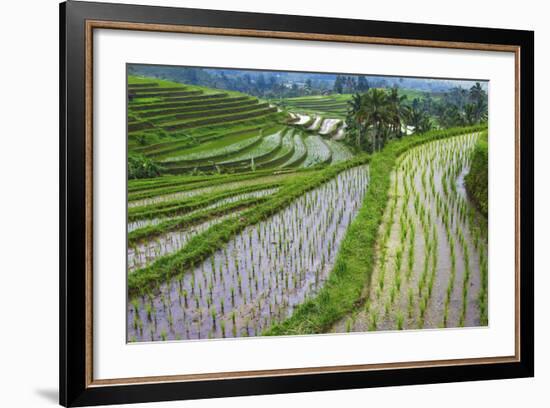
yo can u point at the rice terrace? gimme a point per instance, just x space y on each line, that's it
266 203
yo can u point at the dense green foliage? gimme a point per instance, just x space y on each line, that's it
140 166
477 180
378 115
355 262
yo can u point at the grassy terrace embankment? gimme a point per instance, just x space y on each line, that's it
477 180
343 290
330 105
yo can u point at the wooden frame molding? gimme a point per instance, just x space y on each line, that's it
97 24
289 35
78 22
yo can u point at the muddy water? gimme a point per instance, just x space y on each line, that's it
261 275
415 295
303 119
341 133
315 123
134 225
328 125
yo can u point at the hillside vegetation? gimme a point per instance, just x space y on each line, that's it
477 180
187 129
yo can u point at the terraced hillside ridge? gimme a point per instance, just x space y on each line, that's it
165 117
330 105
333 105
188 129
267 203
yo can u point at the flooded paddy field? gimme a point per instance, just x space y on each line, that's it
205 190
260 276
144 254
431 269
145 222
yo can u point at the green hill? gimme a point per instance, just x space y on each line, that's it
184 129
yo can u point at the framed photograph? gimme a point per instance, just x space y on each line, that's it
256 204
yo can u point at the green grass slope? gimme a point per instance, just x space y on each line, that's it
477 180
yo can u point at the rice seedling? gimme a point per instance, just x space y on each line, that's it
349 325
399 320
373 323
222 327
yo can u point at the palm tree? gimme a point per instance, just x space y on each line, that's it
452 116
398 110
375 113
470 113
354 104
376 116
482 111
477 93
354 128
478 96
457 96
420 120
425 124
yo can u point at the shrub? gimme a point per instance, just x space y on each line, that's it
477 182
140 166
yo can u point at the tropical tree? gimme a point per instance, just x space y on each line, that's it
482 111
452 116
378 115
398 111
308 86
354 130
375 112
457 96
339 85
419 119
471 114
477 93
362 84
140 166
371 116
478 98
